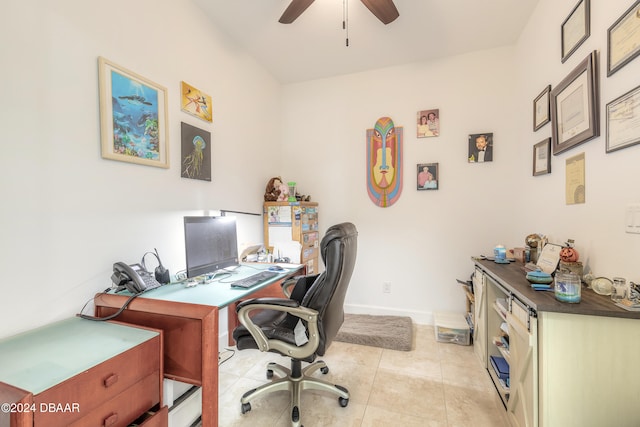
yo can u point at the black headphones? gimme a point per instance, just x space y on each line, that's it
161 273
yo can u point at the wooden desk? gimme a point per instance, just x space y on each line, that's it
189 319
77 372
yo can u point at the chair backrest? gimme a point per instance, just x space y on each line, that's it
338 249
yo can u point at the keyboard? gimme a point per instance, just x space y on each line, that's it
253 280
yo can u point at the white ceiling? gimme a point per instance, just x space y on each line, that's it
314 46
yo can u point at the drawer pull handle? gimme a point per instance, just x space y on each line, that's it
110 420
111 380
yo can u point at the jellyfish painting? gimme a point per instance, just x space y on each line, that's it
196 153
384 162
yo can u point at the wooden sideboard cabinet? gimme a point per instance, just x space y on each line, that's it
297 221
569 364
81 373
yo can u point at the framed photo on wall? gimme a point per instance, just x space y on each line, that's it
623 39
133 117
480 148
575 29
542 157
574 107
427 176
428 123
541 109
623 121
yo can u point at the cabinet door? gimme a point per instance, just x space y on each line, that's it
480 309
522 408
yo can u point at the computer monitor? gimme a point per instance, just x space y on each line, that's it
211 243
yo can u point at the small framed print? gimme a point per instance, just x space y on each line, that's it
623 121
428 123
427 176
623 39
480 148
575 29
542 157
195 102
541 109
574 107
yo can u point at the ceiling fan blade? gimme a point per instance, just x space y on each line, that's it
295 9
384 10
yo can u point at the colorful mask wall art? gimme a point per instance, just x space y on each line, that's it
384 162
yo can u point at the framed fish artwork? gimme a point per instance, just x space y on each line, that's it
133 117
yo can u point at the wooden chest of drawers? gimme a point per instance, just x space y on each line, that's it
81 373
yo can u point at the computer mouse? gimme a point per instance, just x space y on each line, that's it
276 268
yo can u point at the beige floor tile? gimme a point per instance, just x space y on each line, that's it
436 384
377 417
417 396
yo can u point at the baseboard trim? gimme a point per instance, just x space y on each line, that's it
418 317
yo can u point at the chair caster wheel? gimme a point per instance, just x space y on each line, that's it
269 374
343 402
246 407
325 370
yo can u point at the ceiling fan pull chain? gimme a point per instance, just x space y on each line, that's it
345 19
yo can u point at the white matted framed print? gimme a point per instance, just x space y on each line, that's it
623 121
575 29
541 109
542 157
623 39
133 117
574 107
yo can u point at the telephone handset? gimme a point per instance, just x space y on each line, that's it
133 277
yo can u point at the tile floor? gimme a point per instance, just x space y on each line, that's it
435 384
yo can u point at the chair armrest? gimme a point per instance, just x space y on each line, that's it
289 306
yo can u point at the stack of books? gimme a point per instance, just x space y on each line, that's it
501 368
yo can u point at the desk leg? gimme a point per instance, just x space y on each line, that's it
210 331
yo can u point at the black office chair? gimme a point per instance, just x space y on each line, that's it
315 304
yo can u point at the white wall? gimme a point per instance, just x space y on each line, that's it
611 178
423 242
67 214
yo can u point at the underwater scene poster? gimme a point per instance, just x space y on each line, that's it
196 153
133 117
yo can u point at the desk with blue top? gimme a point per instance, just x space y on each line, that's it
188 316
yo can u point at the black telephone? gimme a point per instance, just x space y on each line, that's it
133 277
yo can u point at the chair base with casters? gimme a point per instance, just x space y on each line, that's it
295 380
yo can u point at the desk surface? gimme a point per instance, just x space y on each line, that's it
38 359
219 292
513 277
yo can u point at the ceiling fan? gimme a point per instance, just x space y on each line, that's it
384 10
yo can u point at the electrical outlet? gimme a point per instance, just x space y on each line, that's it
386 287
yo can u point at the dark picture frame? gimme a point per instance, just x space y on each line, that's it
542 109
574 106
542 157
623 116
575 29
623 39
480 142
195 153
427 176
